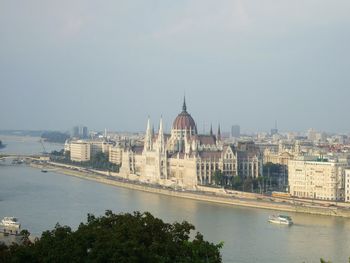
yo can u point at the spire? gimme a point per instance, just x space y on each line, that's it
211 129
219 133
148 125
148 136
161 125
184 108
161 141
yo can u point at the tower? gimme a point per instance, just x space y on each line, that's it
219 133
148 144
161 140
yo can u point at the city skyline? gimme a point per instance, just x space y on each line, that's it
111 65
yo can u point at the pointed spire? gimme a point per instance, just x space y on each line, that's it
161 141
184 108
211 129
148 136
148 125
219 133
161 125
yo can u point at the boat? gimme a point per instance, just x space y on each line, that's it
281 219
43 170
10 222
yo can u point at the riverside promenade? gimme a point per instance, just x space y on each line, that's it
206 194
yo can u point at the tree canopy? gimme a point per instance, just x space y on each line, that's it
55 136
137 237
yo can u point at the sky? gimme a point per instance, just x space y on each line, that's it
111 64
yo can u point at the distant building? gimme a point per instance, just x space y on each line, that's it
235 131
80 151
115 155
311 135
75 132
80 132
347 185
84 132
317 178
274 131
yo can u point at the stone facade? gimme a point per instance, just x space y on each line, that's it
317 178
347 185
186 158
80 151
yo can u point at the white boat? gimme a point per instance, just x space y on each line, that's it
281 219
10 222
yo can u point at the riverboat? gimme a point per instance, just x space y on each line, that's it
281 219
11 222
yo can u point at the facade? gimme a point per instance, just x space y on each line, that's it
347 185
115 155
83 150
281 155
80 151
187 158
80 132
84 132
235 131
317 178
75 132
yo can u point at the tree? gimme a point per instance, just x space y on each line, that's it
55 136
218 177
236 182
137 237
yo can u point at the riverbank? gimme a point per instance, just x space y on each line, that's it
243 199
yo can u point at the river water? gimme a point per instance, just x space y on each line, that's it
41 200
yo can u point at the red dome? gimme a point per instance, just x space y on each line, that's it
184 121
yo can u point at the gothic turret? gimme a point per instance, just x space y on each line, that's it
219 134
148 143
161 140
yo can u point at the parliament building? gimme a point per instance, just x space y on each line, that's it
186 158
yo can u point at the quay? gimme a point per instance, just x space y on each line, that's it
207 194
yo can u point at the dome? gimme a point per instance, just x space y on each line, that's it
184 121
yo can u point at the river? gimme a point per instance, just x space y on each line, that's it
41 200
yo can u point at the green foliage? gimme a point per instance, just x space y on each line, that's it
236 182
57 153
125 238
218 177
99 161
55 136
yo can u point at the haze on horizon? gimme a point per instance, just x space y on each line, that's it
111 64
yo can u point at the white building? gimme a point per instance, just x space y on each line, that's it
188 158
347 185
115 154
80 151
317 178
83 150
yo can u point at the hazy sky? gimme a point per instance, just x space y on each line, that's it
112 63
